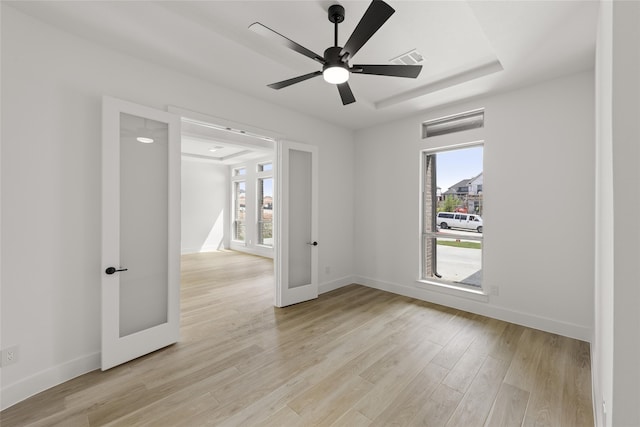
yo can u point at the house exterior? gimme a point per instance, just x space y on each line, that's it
475 185
469 192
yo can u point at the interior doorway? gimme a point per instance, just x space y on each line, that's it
270 205
227 189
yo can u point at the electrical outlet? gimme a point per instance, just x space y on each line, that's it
495 291
10 355
327 270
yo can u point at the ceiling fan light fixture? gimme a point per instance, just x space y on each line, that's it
335 74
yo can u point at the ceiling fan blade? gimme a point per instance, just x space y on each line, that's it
294 80
375 16
267 32
411 71
345 93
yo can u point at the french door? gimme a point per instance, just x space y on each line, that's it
297 223
140 230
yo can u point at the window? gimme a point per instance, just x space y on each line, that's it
264 167
265 211
252 205
239 210
457 123
452 236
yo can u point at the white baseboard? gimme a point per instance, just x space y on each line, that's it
260 251
335 284
185 251
27 387
554 326
210 248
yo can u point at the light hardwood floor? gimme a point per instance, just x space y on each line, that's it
353 357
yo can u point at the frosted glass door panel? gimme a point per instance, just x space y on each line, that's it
144 199
300 218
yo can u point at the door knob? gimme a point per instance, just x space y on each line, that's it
312 243
111 270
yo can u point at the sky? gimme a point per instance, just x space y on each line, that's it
268 187
455 165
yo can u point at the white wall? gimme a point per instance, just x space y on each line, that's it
52 84
204 199
616 344
538 163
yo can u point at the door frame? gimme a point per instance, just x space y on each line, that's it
280 244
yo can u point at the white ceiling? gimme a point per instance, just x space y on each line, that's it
222 152
202 141
470 47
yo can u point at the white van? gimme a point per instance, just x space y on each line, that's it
459 220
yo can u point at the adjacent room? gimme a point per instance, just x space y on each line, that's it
197 228
227 190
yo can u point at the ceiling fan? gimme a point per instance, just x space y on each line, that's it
335 62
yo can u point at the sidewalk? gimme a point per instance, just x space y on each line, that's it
460 265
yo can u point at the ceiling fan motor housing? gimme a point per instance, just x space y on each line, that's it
336 13
333 58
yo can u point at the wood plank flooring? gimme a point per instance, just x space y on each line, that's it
353 357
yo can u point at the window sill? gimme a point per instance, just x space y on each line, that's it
448 289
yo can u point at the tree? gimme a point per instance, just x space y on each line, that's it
449 204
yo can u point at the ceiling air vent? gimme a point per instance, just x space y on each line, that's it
456 123
410 58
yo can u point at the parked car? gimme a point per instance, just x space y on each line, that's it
459 220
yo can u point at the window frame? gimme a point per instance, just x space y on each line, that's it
236 180
236 172
251 220
434 283
459 122
260 167
262 175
